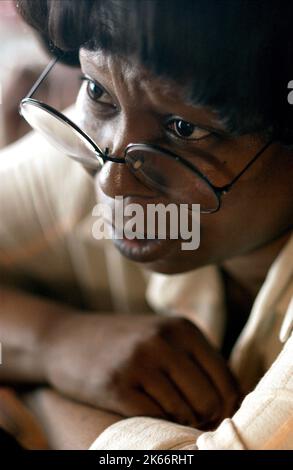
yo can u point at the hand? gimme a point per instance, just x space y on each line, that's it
141 365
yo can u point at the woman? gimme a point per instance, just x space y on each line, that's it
214 114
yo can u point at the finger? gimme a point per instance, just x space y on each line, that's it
205 356
165 392
197 388
224 383
139 403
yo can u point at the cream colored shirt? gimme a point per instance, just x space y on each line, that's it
46 246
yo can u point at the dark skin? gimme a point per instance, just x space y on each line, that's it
258 209
184 379
242 285
244 233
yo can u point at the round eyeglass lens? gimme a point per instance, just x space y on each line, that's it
62 134
160 171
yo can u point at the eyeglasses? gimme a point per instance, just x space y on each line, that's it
155 167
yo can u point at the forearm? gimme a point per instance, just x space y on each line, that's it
24 321
16 419
68 425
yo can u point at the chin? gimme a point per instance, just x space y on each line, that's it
163 256
178 264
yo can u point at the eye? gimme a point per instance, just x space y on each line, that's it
186 130
97 93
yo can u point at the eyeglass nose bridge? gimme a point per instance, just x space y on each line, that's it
105 157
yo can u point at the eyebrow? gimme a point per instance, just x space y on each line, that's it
94 59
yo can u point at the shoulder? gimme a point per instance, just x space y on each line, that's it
41 191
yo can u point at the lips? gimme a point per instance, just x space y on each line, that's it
142 250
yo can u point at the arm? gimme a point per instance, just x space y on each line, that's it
265 419
24 321
43 419
68 425
45 343
263 422
16 419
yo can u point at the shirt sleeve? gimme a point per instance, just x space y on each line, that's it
263 422
265 418
142 433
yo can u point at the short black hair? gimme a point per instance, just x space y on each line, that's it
235 56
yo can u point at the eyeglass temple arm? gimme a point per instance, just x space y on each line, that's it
42 77
259 153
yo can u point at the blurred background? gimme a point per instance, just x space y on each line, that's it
22 59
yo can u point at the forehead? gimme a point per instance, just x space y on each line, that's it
131 73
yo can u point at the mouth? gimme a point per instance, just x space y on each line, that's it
142 249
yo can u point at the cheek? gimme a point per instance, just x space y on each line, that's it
101 193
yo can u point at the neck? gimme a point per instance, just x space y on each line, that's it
250 270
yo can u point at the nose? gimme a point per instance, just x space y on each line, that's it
132 127
116 179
